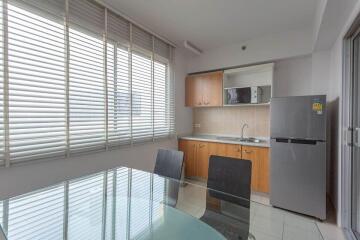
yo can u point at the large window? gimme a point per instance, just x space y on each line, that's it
78 79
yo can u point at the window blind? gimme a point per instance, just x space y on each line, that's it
141 38
141 97
161 92
37 215
161 48
86 76
87 93
36 84
77 79
88 15
118 29
119 90
2 123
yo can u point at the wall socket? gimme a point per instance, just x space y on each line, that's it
196 125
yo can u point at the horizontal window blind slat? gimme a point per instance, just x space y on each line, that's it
87 14
118 28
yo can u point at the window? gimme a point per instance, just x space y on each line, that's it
80 84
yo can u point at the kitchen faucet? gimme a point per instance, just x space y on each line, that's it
242 130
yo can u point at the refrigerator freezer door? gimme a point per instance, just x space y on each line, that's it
298 177
298 117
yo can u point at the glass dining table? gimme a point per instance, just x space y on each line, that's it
125 203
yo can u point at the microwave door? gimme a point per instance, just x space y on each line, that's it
232 96
239 95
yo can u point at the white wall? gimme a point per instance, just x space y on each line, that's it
292 77
23 178
302 75
335 96
349 11
267 48
183 114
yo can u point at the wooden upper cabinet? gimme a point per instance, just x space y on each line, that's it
213 89
204 90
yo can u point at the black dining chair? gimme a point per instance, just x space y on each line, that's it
228 197
169 163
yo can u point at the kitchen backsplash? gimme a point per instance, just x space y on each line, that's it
229 120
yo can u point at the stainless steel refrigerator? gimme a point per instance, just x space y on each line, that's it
298 154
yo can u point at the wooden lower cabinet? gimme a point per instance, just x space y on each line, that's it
202 159
197 155
189 149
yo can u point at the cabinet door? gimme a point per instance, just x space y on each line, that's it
233 150
263 158
204 90
189 149
250 153
202 160
212 85
193 91
189 98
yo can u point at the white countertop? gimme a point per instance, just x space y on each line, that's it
265 142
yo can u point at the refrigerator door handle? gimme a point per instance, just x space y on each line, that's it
282 140
303 141
357 137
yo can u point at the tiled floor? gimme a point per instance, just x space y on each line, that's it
266 222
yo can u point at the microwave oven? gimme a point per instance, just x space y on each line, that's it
243 95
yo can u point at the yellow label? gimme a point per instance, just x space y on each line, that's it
317 107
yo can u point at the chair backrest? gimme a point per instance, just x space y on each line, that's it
169 163
231 176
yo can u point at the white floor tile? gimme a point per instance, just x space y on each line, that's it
270 227
295 233
262 236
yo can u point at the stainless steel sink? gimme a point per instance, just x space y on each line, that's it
251 140
235 139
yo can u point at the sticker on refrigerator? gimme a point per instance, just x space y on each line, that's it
317 107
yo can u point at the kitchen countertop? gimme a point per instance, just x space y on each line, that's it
265 142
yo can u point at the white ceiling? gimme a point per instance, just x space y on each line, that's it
214 23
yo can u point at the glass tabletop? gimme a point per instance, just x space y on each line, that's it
125 203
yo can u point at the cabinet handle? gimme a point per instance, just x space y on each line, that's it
201 145
248 151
